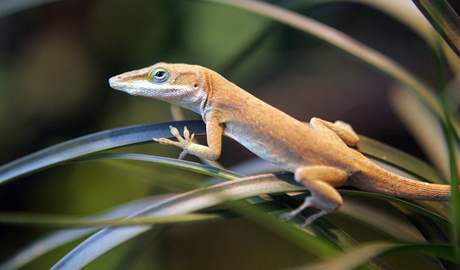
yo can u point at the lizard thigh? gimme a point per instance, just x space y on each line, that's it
343 130
321 182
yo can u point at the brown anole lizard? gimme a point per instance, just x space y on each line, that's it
320 153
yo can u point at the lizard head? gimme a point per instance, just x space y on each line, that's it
180 84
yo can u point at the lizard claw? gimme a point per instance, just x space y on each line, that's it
166 141
175 132
186 133
290 215
182 141
314 217
183 154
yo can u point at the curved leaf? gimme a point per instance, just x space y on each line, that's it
170 162
65 236
412 206
362 254
407 13
348 45
61 237
379 219
114 138
108 238
42 220
88 144
10 7
444 19
141 133
248 169
399 159
454 175
229 175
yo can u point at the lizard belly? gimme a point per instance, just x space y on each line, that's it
268 147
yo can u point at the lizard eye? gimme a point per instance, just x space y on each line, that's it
160 75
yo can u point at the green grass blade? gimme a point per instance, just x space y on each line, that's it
206 170
362 254
386 223
128 135
56 221
10 7
351 259
399 159
103 140
56 239
429 135
297 235
400 202
444 19
346 44
378 218
108 238
454 179
203 169
230 175
138 138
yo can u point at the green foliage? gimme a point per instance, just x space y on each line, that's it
236 196
444 19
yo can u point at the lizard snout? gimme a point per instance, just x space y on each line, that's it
116 83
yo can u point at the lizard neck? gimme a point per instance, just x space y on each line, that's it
194 103
209 90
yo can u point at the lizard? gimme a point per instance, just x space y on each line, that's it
321 154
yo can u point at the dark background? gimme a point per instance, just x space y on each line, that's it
55 61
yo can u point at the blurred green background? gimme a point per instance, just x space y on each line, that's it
55 61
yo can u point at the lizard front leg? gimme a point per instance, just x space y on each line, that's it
321 182
214 131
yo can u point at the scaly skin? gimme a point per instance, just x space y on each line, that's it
320 153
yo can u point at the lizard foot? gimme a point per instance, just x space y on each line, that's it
307 203
350 137
182 141
314 217
290 215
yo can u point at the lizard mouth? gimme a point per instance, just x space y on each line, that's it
132 87
130 81
115 83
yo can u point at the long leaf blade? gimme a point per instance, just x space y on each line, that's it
103 140
10 7
42 220
444 19
108 238
63 237
362 254
398 158
49 242
346 44
230 175
454 177
200 168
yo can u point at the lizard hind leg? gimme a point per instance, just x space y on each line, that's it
321 182
342 129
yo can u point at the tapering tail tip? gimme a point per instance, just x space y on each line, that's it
377 179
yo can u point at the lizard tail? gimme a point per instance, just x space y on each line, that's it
374 178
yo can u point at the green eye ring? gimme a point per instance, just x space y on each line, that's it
159 75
